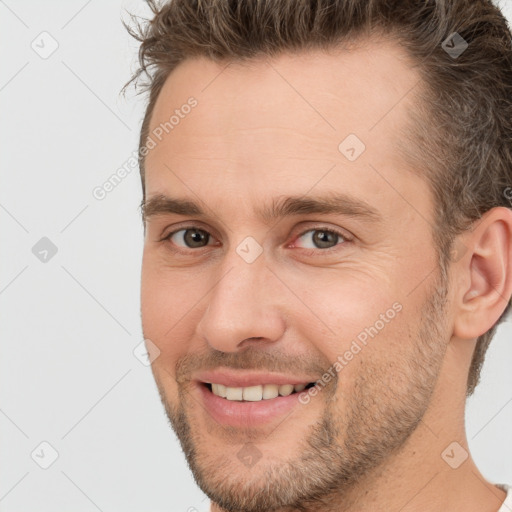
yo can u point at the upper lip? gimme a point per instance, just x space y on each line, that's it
243 378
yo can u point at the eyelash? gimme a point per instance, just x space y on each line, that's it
307 252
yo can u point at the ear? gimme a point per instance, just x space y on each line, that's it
484 274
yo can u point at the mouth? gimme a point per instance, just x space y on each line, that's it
257 393
239 401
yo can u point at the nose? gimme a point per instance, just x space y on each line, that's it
243 307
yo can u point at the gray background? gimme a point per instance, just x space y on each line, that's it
69 325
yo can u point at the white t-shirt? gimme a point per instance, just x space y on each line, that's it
507 504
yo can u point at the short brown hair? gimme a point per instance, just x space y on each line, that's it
460 134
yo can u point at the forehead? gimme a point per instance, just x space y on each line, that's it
276 125
364 77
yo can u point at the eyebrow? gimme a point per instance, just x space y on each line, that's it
333 203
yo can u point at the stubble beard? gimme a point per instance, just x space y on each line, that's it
341 448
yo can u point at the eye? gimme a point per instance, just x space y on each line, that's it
321 238
192 237
189 238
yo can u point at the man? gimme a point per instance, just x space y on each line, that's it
327 245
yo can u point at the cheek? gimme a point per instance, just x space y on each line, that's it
339 306
159 313
370 325
170 303
157 304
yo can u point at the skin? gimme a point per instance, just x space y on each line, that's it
372 439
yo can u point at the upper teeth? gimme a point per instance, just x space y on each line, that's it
255 393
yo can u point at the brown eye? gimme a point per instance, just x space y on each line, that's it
191 238
321 238
325 238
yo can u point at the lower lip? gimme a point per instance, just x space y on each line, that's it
246 414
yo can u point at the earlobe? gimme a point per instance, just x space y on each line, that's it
486 274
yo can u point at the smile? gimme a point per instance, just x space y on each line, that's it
249 399
256 393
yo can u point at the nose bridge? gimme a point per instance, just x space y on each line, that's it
240 306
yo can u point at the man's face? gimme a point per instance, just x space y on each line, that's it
348 298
